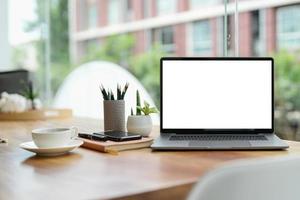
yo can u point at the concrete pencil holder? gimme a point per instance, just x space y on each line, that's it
114 115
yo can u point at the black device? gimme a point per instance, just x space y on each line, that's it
14 81
102 138
119 136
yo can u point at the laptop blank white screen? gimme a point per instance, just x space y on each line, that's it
217 94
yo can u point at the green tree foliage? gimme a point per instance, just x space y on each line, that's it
18 56
59 55
59 33
287 95
146 68
118 49
287 82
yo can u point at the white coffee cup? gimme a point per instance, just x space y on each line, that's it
53 137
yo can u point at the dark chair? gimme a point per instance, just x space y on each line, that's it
13 81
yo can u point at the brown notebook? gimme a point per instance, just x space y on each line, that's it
114 147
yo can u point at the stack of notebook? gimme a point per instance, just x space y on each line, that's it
114 147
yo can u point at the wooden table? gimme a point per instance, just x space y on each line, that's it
86 174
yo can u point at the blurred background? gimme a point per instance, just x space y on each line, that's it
51 38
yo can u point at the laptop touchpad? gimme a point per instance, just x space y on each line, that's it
220 144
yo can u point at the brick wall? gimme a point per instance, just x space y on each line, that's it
140 42
153 11
102 14
245 34
138 9
214 32
140 37
79 15
182 5
270 30
180 39
180 30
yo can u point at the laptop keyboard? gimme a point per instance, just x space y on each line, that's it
216 137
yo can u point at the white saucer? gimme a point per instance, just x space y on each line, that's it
55 151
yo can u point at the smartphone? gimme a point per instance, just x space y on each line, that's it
119 136
93 137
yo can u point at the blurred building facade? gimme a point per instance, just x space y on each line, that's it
4 42
186 27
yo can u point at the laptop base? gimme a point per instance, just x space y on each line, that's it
218 142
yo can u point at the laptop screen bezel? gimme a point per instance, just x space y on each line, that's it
203 131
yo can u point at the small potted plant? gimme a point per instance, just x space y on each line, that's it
141 123
33 102
114 108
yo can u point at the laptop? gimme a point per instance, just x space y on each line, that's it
217 103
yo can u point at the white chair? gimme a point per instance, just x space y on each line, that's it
275 178
80 90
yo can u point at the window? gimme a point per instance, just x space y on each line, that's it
201 3
127 9
165 36
258 32
288 28
264 30
202 40
166 6
147 8
119 11
92 14
113 11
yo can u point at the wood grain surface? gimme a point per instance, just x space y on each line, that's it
87 174
43 114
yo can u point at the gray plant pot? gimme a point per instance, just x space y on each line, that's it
114 115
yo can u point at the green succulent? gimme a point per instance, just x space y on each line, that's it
30 94
147 110
138 103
